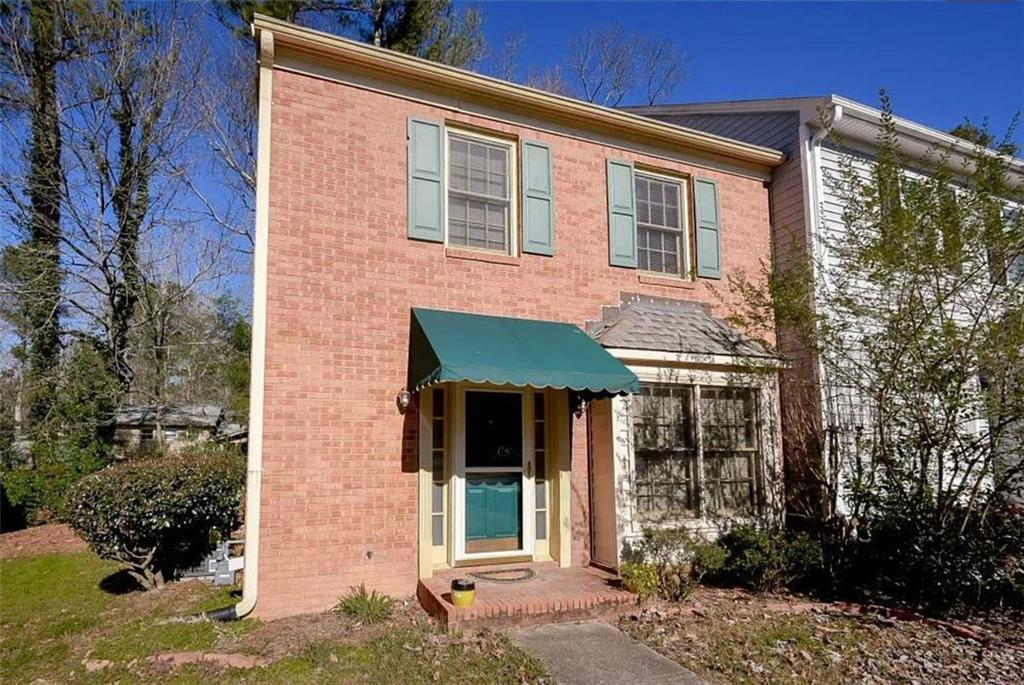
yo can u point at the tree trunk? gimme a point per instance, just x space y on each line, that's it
41 304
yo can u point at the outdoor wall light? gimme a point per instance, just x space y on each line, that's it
581 408
402 400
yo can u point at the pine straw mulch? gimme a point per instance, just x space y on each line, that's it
731 636
51 538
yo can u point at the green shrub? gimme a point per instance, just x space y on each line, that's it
912 557
708 559
640 578
40 492
769 559
157 516
68 443
367 607
680 559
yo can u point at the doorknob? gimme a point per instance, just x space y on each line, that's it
529 469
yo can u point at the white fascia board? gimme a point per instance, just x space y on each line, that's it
929 137
656 356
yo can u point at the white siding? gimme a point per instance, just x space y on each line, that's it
847 406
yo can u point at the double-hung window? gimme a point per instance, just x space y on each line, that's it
481 209
696 451
661 232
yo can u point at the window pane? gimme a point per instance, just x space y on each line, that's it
437 530
1015 269
729 433
665 452
494 429
458 164
656 192
643 212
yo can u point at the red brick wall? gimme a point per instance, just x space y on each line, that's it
339 501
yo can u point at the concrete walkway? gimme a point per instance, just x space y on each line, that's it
595 653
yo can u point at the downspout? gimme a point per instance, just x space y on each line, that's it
816 191
250 586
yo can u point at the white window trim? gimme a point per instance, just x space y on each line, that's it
686 272
513 194
768 468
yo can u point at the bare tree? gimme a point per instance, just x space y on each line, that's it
552 80
227 107
505 63
603 65
131 151
661 67
610 66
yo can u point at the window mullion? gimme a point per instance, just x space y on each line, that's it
699 431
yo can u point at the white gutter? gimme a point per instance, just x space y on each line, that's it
830 124
250 586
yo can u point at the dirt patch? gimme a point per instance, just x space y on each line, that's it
732 636
52 538
223 660
276 639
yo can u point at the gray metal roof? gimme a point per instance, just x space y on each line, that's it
205 416
642 322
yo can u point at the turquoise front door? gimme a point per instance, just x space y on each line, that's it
493 507
493 497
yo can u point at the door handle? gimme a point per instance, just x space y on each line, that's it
529 469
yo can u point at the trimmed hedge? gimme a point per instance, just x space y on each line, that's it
770 559
158 515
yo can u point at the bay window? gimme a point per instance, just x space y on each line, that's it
696 451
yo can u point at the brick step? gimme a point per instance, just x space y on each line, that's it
556 595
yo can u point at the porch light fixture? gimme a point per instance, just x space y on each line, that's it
581 406
402 400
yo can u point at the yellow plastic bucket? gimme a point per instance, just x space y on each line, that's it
463 592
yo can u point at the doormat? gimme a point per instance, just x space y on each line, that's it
511 575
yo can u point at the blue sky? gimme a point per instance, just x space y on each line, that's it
939 61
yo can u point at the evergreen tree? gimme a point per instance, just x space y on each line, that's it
432 29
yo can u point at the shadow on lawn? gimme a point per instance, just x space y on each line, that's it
120 583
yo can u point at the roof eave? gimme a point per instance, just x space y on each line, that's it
929 136
434 76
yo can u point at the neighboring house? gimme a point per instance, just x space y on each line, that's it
821 418
166 427
430 244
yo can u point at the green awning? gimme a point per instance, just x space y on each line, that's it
455 346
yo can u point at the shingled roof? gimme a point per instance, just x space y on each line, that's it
199 416
642 322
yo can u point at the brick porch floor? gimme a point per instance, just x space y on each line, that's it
553 595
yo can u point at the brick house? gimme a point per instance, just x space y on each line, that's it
431 246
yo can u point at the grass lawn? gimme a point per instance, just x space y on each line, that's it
60 613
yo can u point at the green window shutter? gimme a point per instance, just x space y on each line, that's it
538 199
621 214
426 180
709 240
